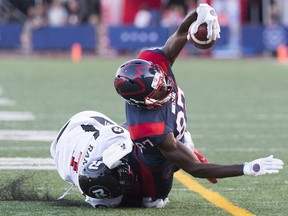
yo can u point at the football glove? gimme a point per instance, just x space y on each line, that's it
206 14
262 166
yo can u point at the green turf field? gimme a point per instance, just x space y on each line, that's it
238 111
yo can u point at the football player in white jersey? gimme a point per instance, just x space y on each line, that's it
89 152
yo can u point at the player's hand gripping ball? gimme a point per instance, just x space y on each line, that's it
205 31
199 39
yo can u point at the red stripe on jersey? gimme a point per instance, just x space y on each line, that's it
148 186
156 58
148 182
146 129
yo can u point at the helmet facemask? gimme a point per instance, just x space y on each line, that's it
163 86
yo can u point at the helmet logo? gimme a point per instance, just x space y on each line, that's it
100 193
134 78
94 165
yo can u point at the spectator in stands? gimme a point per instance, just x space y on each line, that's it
191 5
90 11
173 15
74 16
143 17
36 18
57 14
274 11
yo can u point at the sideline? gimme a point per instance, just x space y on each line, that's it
211 196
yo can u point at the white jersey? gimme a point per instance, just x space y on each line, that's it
86 137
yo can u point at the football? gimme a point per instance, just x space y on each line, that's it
199 39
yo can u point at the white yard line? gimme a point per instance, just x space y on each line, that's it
27 135
7 102
27 163
16 116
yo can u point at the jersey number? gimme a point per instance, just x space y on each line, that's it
180 119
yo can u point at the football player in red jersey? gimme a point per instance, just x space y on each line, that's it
156 115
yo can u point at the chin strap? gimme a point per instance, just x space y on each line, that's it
67 192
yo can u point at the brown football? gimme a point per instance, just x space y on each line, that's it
199 39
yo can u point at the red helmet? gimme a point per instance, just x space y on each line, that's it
137 81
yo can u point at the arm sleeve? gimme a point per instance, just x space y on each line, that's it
157 57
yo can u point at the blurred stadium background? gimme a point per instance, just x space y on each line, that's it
115 27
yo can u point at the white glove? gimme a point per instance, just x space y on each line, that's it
207 14
262 166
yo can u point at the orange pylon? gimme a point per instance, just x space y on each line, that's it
282 53
76 52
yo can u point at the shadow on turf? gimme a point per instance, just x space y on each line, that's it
18 190
22 188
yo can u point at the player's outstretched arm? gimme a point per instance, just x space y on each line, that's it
183 157
203 14
178 40
261 166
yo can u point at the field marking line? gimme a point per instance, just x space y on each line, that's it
16 116
27 135
20 163
211 196
6 102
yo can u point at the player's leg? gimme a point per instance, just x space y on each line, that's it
155 182
157 189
